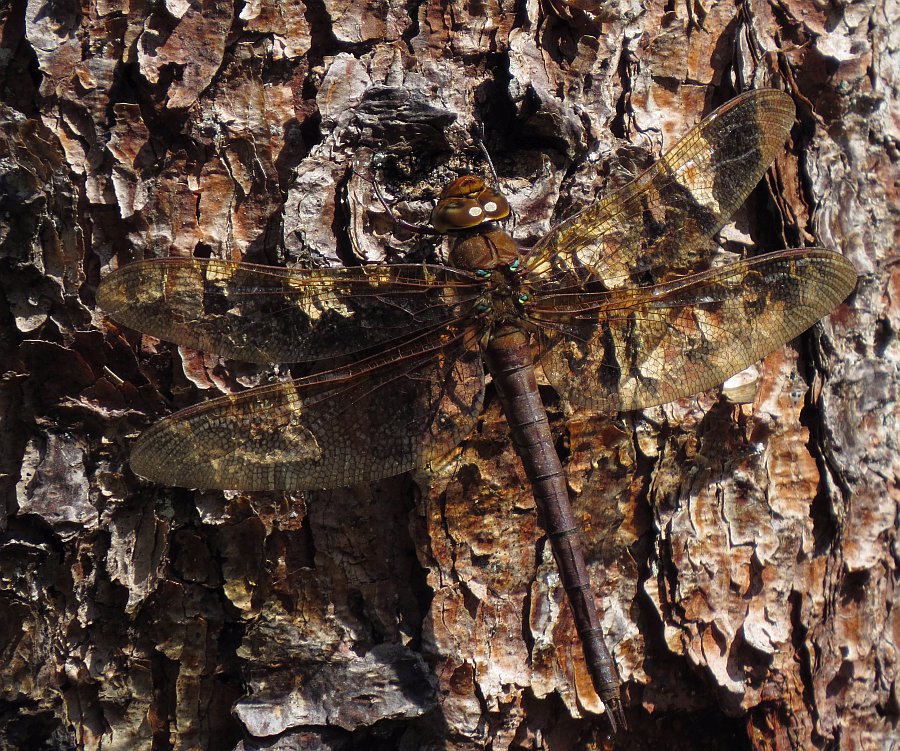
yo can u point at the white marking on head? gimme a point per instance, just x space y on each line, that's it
490 207
475 211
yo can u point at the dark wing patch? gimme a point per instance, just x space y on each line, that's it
265 314
627 349
375 419
658 226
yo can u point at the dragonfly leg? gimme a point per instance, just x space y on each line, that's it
478 137
420 229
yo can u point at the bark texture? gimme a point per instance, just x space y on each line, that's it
744 551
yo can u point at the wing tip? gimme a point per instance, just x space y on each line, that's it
837 271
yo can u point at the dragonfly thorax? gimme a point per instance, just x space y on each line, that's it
486 249
505 296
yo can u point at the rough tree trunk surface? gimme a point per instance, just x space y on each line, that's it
744 556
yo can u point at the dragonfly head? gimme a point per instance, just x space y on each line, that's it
468 202
467 210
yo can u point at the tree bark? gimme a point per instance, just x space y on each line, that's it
743 550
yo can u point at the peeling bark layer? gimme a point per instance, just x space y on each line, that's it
744 551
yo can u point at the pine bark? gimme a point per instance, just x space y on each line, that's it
744 551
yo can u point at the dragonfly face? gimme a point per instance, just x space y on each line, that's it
466 203
617 301
468 210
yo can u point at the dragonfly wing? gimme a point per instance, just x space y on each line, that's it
628 349
658 226
265 314
375 419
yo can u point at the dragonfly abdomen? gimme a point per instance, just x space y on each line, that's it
509 358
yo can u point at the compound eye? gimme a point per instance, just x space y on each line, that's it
495 205
456 213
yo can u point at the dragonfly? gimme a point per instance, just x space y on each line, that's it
619 305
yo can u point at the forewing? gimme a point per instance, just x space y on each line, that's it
375 419
658 226
628 349
266 314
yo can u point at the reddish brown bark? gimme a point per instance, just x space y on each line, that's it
747 552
